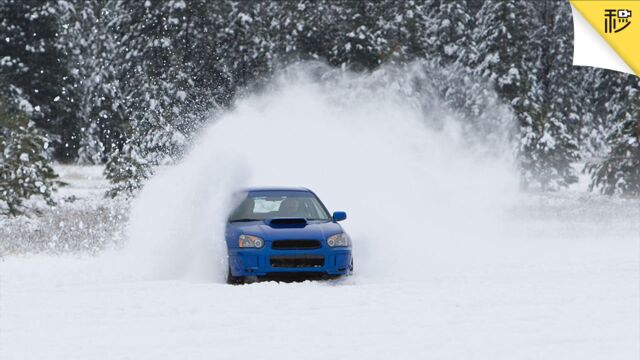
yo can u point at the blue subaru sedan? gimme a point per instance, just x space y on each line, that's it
277 231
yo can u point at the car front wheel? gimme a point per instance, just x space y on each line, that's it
234 280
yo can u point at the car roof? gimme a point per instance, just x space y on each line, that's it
275 188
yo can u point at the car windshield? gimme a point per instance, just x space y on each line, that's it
261 205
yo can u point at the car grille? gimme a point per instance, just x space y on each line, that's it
295 244
296 261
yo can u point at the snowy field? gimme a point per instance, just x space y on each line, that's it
452 261
566 289
82 220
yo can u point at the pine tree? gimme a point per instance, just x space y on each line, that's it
169 77
619 171
32 66
149 74
91 150
556 145
308 29
407 30
24 163
360 42
450 33
505 50
127 172
90 46
248 41
529 72
594 90
452 55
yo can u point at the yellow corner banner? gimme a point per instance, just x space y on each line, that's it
618 22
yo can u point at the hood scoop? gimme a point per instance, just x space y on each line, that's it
283 223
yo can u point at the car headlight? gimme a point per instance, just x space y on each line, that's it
250 241
341 239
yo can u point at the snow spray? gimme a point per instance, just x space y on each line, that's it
420 193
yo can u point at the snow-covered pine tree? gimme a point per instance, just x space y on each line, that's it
450 34
447 49
595 87
252 40
308 29
126 171
451 53
24 163
508 39
619 171
301 30
205 80
91 149
90 45
556 145
407 28
32 67
360 42
151 70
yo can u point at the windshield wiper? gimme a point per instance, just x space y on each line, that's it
244 220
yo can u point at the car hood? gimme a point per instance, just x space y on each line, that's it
312 230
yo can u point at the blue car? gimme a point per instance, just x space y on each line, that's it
279 231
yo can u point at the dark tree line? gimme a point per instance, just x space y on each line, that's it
127 83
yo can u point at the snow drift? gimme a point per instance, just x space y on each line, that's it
416 179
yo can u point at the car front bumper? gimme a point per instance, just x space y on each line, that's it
265 261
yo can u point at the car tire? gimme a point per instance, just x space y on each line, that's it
234 280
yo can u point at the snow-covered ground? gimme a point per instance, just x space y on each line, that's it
83 220
452 262
569 289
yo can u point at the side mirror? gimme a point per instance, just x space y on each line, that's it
339 216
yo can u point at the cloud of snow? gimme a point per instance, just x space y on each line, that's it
420 192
